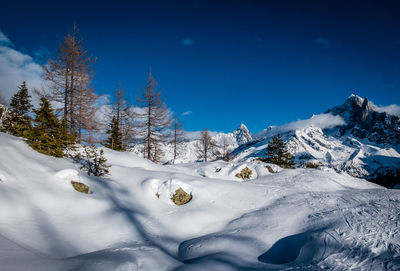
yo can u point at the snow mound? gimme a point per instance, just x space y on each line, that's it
312 219
164 190
67 174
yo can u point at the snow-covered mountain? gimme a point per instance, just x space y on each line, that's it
352 137
242 134
363 121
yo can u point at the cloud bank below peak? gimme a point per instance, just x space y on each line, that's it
392 109
323 121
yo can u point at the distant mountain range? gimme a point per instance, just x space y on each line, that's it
354 138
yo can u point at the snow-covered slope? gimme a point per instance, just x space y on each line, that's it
352 138
292 219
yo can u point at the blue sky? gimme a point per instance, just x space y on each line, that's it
220 63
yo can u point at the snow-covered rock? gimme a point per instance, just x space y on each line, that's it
4 113
363 121
242 134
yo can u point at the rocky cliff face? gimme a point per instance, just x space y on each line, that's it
364 122
242 135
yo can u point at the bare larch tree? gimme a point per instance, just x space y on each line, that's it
205 146
177 134
225 149
153 120
69 75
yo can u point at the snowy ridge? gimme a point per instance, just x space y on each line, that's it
293 219
351 138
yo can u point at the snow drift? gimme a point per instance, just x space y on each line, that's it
303 218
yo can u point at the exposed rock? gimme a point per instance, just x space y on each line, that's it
242 134
181 197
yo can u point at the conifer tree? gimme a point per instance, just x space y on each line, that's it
63 134
114 140
153 120
277 153
18 121
44 136
123 112
94 161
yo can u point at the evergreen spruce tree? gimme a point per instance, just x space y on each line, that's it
43 136
18 121
63 134
277 153
114 140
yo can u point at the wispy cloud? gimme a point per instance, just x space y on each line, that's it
392 109
15 67
323 121
187 113
4 40
323 42
187 42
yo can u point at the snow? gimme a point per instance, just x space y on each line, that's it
292 219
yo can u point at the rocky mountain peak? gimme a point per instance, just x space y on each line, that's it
364 122
354 100
242 134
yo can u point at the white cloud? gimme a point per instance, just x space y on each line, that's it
323 121
392 109
16 67
187 113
